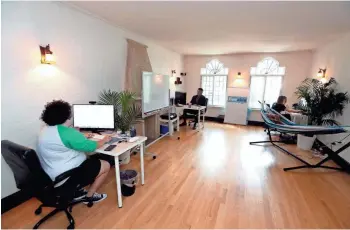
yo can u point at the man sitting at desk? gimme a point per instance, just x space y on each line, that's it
61 148
198 99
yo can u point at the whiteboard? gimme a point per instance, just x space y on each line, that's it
155 92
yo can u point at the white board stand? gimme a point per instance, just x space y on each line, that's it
155 99
153 128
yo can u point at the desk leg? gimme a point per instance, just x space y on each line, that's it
142 149
178 124
171 128
203 118
199 118
117 178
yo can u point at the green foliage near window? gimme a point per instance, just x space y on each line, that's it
324 102
126 111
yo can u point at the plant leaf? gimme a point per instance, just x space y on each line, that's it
125 108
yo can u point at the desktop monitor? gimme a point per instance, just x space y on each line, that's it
180 98
93 116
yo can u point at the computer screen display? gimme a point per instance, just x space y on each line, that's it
93 116
180 98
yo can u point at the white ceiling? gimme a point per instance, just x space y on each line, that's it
228 27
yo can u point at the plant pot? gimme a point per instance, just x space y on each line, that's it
305 142
124 158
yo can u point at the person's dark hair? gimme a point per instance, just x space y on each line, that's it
56 112
281 99
201 89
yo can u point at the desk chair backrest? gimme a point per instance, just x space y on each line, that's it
29 175
206 105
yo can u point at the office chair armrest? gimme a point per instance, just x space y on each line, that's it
65 175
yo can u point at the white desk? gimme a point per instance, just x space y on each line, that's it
199 109
116 152
299 119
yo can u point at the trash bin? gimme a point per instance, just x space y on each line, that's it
164 129
128 179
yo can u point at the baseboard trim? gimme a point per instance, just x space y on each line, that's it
216 119
256 123
15 199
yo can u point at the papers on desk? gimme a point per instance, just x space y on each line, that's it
98 137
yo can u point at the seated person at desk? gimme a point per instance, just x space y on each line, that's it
198 99
281 107
61 148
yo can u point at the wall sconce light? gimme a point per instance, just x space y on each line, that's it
47 55
322 73
173 73
239 81
183 74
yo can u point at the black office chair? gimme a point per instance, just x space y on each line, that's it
30 176
195 117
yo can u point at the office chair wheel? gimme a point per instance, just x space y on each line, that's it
90 204
38 211
71 226
178 138
154 157
135 153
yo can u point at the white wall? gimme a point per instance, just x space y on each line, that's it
90 54
335 56
297 69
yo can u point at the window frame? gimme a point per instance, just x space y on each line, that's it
256 71
214 75
265 76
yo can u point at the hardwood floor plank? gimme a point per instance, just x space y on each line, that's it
213 179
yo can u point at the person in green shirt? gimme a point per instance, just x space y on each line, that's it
61 148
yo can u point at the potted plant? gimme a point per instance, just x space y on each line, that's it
126 111
321 102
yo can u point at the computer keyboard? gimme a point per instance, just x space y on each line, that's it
113 140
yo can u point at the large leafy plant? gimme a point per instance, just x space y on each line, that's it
322 101
126 111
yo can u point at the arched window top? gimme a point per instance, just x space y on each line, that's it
268 66
214 67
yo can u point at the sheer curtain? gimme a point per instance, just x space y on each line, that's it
137 61
264 88
272 89
256 91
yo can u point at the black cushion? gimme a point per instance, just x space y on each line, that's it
166 116
26 166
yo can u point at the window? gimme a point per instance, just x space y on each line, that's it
213 82
266 82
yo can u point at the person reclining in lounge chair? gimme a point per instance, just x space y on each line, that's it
281 107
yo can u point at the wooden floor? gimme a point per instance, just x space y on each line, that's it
213 179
